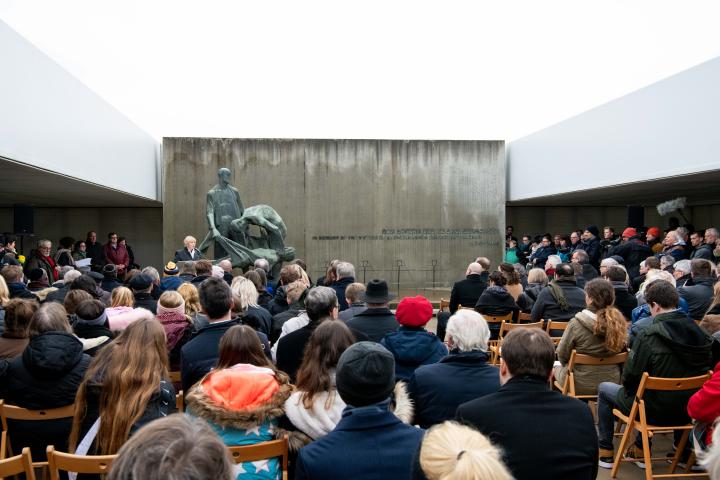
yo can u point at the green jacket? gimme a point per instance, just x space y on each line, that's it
672 347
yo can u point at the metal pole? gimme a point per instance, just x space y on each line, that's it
400 264
434 267
364 264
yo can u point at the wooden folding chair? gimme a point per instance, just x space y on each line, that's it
554 326
496 321
175 377
92 464
10 412
262 451
637 420
18 464
524 317
568 386
506 327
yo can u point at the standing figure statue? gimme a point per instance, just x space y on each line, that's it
223 206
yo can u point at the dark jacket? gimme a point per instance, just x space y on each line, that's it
279 320
466 292
110 283
146 301
59 294
633 252
279 302
352 310
547 308
339 286
183 255
199 279
36 260
592 248
624 300
19 290
291 348
527 299
46 375
699 296
589 272
96 254
412 347
264 298
437 390
671 347
541 255
200 354
86 330
374 322
496 301
705 252
171 283
259 319
369 443
542 434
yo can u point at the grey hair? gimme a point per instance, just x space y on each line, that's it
554 260
537 275
153 273
681 232
320 302
42 242
469 331
64 270
582 256
667 260
519 268
712 231
609 262
246 291
262 263
71 275
676 235
345 269
682 265
226 265
187 267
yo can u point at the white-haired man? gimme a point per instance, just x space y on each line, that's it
345 276
465 293
675 245
438 389
189 253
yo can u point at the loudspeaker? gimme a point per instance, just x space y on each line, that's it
636 217
23 219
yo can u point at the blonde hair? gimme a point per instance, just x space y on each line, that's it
537 275
451 451
192 298
171 299
122 297
189 239
245 291
4 292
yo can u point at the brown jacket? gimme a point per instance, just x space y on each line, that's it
579 336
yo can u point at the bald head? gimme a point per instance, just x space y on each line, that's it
225 265
474 269
484 262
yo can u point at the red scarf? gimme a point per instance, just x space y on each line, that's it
50 260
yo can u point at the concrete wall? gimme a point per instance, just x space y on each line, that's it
142 227
373 201
664 130
52 121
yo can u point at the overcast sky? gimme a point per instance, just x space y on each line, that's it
368 69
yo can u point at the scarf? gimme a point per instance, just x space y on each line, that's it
51 262
174 323
60 251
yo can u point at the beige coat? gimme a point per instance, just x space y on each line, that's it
579 336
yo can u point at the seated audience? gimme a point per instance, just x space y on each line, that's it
345 273
624 300
187 271
513 285
537 280
154 275
315 407
242 402
496 301
193 309
465 292
662 304
589 272
711 325
671 346
72 300
675 246
38 284
177 325
355 305
451 450
699 295
15 280
599 331
121 313
412 345
203 270
46 375
246 306
525 413
365 379
377 320
562 298
109 281
465 374
320 305
540 256
288 274
125 387
15 335
295 316
176 447
4 299
263 297
87 283
682 271
92 323
632 250
142 286
227 269
171 278
188 252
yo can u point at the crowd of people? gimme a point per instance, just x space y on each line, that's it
360 389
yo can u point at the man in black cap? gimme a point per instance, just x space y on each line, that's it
377 320
141 285
591 245
110 281
369 442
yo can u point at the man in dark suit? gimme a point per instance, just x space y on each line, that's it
189 253
542 433
377 320
466 292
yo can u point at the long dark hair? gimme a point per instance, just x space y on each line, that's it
241 344
610 324
508 271
329 340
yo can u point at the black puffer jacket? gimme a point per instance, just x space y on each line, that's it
46 375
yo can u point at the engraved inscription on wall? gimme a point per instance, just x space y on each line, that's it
477 236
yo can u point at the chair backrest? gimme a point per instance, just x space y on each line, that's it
671 384
524 317
581 359
444 303
498 319
93 464
175 377
17 413
262 451
506 327
18 464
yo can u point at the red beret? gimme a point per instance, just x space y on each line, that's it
414 311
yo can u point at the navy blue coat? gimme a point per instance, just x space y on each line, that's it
368 443
413 347
339 287
541 255
437 390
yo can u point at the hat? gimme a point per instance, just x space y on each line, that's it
141 281
365 374
414 311
376 292
35 274
109 268
654 231
592 229
171 269
98 277
629 232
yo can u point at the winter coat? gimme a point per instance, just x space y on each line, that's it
19 290
64 257
438 389
171 283
413 347
281 318
120 317
117 255
527 299
705 252
633 252
546 307
242 404
375 323
46 375
579 335
37 260
352 310
110 283
59 294
322 416
704 405
183 255
146 301
291 348
87 330
699 296
278 303
678 251
592 248
624 300
542 434
671 347
295 323
496 301
466 292
339 286
541 255
258 318
369 442
96 253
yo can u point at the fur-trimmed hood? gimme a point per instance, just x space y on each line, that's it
259 408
